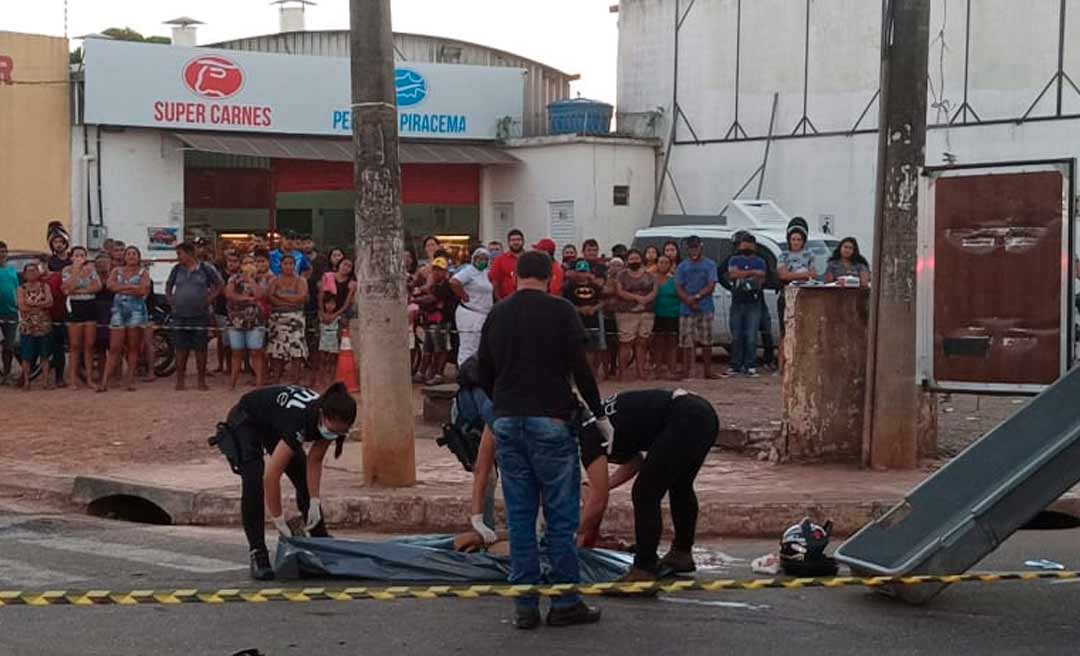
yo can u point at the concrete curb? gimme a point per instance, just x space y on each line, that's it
444 513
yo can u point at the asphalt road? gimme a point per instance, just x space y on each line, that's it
39 551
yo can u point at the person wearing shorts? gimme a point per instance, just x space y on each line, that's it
130 285
437 301
247 321
80 282
587 296
35 326
695 280
9 314
191 290
636 290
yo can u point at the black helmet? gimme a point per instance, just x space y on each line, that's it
802 550
798 224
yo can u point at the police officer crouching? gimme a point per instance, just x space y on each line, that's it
675 430
280 420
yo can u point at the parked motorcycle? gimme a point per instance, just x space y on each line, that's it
161 319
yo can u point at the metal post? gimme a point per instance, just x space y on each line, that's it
380 333
1061 55
768 143
892 395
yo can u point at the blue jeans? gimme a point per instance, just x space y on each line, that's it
538 459
745 320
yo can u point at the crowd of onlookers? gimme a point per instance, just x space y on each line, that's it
647 313
278 309
71 320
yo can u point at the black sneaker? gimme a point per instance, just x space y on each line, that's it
260 565
579 613
526 619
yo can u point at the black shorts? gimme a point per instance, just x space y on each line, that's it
666 326
190 333
83 312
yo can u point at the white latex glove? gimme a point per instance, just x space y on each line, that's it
281 526
483 529
314 514
606 429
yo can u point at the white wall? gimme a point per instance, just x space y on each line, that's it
1013 56
142 184
579 169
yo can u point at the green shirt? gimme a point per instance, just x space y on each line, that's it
667 300
9 282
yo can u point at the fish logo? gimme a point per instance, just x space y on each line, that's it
213 77
412 88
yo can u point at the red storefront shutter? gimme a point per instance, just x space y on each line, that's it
421 184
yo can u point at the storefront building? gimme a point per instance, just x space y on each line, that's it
34 127
232 144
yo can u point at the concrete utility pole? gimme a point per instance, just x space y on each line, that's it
890 437
382 351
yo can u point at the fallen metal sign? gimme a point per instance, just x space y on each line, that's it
304 595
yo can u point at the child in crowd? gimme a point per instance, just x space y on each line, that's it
329 341
34 299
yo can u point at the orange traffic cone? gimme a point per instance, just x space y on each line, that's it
346 364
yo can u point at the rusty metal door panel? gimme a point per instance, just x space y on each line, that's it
999 255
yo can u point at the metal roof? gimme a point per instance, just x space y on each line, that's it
332 149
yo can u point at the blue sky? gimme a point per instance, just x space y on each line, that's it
577 36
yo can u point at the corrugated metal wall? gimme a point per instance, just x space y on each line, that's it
543 84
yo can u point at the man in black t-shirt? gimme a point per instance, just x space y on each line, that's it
586 296
531 345
676 430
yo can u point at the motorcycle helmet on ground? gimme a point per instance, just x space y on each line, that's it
802 550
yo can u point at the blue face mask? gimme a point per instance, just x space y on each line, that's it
326 433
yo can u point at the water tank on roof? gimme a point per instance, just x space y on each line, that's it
579 116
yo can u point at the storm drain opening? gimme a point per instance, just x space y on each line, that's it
129 508
1052 520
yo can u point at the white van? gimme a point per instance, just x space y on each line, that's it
762 218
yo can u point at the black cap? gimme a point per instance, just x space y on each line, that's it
693 241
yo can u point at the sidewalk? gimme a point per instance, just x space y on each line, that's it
738 497
75 447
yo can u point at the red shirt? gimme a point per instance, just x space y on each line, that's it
555 288
504 275
58 311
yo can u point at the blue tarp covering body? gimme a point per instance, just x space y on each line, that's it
430 559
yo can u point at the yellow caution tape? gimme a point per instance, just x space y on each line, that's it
236 595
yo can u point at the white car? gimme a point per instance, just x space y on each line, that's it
719 247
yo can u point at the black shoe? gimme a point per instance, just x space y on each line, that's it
680 562
577 614
260 565
527 619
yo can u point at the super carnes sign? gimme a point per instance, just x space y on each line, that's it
7 70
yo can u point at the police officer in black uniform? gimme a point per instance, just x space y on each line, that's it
280 420
675 431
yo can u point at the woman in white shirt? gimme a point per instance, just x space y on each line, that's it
476 295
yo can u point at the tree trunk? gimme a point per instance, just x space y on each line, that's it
381 329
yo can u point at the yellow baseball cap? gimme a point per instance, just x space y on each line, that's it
440 263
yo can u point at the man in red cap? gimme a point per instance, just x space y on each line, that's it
555 285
